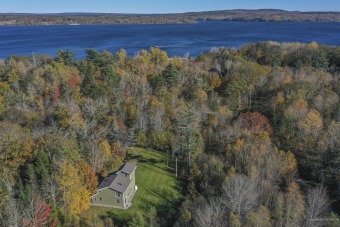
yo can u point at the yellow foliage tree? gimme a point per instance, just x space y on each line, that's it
234 220
75 195
122 54
260 217
105 149
297 110
88 176
131 111
178 62
294 206
15 146
312 124
289 166
158 56
314 45
202 95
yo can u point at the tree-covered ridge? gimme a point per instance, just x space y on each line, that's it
255 132
176 18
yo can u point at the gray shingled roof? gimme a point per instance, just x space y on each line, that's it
121 183
107 181
128 168
116 181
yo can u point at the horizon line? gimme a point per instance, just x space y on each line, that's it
69 12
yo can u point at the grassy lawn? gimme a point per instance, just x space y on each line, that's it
157 187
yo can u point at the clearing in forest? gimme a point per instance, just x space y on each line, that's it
157 187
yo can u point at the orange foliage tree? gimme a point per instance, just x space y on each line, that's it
40 215
255 121
88 176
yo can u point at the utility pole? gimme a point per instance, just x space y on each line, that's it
34 60
189 161
176 167
167 157
189 151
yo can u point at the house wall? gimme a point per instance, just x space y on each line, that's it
129 192
108 198
133 177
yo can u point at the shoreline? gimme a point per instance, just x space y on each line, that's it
206 21
262 15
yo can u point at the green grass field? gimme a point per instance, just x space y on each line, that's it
157 187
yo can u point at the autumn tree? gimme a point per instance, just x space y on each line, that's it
75 194
294 207
312 124
260 217
87 176
15 145
157 56
39 215
255 122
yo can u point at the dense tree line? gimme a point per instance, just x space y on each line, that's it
178 18
256 133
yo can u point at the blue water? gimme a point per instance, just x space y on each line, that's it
175 39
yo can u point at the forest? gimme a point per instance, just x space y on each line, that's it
255 130
264 15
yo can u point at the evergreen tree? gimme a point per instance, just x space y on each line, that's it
171 76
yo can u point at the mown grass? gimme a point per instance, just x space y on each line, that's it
157 187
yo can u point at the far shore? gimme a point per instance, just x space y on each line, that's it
262 15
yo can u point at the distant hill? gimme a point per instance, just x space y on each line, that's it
177 18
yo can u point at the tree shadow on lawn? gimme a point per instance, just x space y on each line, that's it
168 201
150 161
116 218
133 156
160 172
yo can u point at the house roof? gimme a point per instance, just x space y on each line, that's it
118 181
121 183
128 168
107 181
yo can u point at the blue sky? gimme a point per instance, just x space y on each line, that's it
160 6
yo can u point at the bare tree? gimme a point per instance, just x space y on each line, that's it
12 215
210 214
50 191
241 194
317 206
95 156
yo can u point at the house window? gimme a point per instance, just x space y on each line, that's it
117 194
100 198
118 200
95 199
